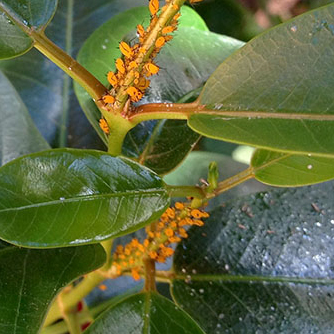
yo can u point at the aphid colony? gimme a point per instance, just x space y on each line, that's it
134 64
169 229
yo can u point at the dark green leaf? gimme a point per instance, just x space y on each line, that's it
69 197
276 92
281 169
228 17
262 264
30 279
17 18
18 133
142 314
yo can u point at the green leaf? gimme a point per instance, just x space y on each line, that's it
30 279
144 313
228 17
17 18
261 264
276 91
286 170
69 197
18 133
161 145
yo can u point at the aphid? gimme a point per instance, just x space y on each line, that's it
176 7
112 79
142 84
120 65
108 99
126 49
176 17
168 30
104 126
153 7
134 93
194 1
160 42
168 38
133 64
151 69
140 30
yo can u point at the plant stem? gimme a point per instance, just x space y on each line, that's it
149 265
72 298
69 65
232 182
185 191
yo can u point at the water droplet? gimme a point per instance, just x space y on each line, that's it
184 270
309 166
194 271
318 224
221 316
227 267
62 198
201 290
104 47
332 221
293 28
70 68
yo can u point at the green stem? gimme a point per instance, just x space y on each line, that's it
72 298
77 72
185 191
232 182
72 323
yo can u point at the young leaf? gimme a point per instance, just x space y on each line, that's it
286 170
17 18
276 92
30 279
144 313
18 133
69 197
262 263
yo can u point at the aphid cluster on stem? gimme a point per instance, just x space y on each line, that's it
168 230
136 66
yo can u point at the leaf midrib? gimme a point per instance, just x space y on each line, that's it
253 279
88 198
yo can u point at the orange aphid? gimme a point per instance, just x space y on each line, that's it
134 93
151 69
168 38
179 205
104 126
126 49
103 287
142 84
168 30
176 7
160 42
176 17
133 64
140 30
135 274
194 1
108 99
120 65
169 232
112 79
153 7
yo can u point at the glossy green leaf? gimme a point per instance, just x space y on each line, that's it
30 279
69 197
142 314
281 169
18 133
262 264
276 92
17 18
